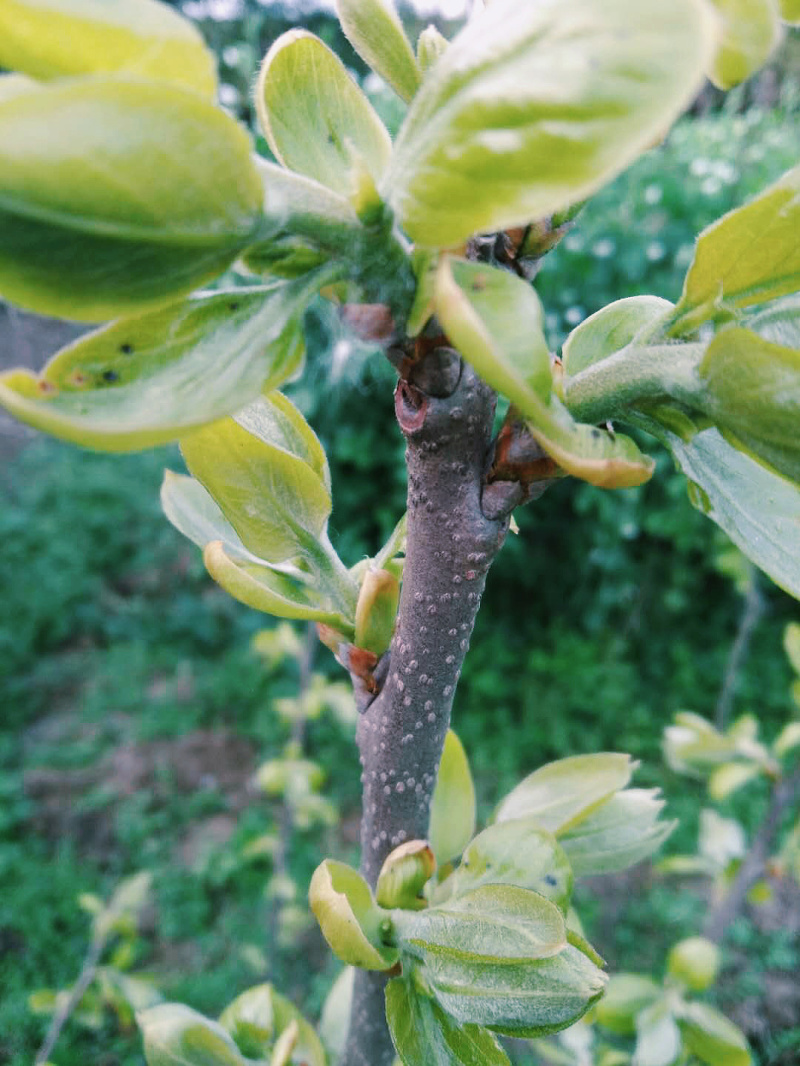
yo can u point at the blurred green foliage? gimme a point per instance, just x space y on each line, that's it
602 618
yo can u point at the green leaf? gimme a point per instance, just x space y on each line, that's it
791 645
747 257
376 610
563 793
731 776
149 379
405 872
787 740
622 324
534 106
713 1039
790 11
12 85
305 224
695 961
619 833
752 392
526 998
335 1020
64 38
424 1035
374 29
431 44
494 921
175 1035
625 997
494 319
315 118
759 510
268 472
751 30
658 1038
452 817
258 1017
516 852
117 195
348 916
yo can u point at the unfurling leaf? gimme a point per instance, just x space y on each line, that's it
175 1035
97 217
534 106
561 794
348 916
316 120
619 833
424 1035
695 961
452 817
155 377
751 30
376 610
374 29
259 1017
747 257
515 852
404 874
495 320
430 46
65 38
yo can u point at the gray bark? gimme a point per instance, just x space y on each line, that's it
450 546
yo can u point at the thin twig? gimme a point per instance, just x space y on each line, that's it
748 621
77 992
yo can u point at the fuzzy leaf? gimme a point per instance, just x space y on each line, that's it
563 793
617 834
452 818
516 852
747 257
348 916
658 1038
316 120
751 30
424 1035
713 1039
626 995
257 1017
98 217
374 29
153 378
610 331
534 106
175 1035
64 38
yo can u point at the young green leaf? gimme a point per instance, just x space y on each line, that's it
752 392
787 740
626 995
12 85
751 30
790 11
268 472
523 998
713 1039
497 922
534 106
348 916
405 872
695 961
376 610
730 777
658 1038
374 29
747 257
64 38
97 218
155 377
516 852
494 319
335 1020
759 510
175 1035
791 645
452 817
315 118
430 46
618 834
561 794
423 1035
608 332
259 1016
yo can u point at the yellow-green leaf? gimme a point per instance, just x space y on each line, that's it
534 106
374 29
710 1036
349 917
626 995
452 818
791 645
259 1015
12 85
619 833
175 1035
118 195
152 378
64 38
695 961
747 257
562 793
751 30
790 11
315 118
729 777
610 331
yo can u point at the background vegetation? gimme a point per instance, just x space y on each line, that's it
135 709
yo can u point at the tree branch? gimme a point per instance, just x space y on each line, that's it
450 546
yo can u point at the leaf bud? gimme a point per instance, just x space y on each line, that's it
695 962
430 46
376 610
403 875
